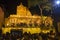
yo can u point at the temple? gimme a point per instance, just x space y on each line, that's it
28 22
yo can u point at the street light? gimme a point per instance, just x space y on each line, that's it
57 2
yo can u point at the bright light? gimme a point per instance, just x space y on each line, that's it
57 2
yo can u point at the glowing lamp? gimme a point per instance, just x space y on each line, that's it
57 2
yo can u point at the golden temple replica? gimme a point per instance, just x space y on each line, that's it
24 20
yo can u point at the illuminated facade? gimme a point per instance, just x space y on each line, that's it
31 23
23 11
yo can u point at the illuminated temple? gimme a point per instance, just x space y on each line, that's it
24 20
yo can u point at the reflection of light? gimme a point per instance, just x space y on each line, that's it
7 24
57 2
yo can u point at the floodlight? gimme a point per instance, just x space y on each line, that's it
57 2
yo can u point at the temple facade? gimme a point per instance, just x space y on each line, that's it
24 19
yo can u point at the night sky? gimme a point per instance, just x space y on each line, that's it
10 7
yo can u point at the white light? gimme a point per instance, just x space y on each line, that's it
57 2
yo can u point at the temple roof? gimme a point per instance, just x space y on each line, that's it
23 11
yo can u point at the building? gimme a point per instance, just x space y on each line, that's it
24 20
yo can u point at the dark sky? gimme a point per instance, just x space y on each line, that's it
11 5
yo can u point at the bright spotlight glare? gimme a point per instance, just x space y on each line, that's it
57 2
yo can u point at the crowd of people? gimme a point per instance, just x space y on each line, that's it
19 35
